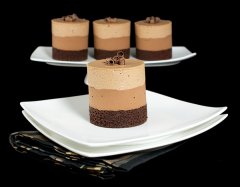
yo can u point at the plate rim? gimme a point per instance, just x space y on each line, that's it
203 128
84 63
100 144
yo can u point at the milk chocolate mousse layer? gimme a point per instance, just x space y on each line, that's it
70 38
117 93
111 35
105 99
153 39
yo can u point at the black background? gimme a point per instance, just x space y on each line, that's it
210 79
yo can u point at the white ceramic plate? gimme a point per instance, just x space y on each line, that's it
120 149
69 117
44 54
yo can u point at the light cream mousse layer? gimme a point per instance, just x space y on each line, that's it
111 34
111 28
116 77
154 36
70 33
161 29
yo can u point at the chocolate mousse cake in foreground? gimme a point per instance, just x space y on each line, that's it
70 38
117 92
153 39
110 36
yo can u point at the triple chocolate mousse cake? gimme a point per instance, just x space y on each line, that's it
117 92
70 38
110 36
153 39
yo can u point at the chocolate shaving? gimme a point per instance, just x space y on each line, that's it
152 20
110 20
110 61
115 58
121 61
118 59
70 18
120 54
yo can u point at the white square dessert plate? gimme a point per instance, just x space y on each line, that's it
69 117
121 149
44 54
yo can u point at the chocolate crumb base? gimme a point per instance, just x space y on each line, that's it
154 55
102 54
118 119
58 54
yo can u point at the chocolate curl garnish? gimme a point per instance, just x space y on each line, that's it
120 54
118 59
70 18
110 20
115 58
110 61
121 61
152 19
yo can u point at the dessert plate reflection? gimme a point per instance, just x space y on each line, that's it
44 54
69 117
121 149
